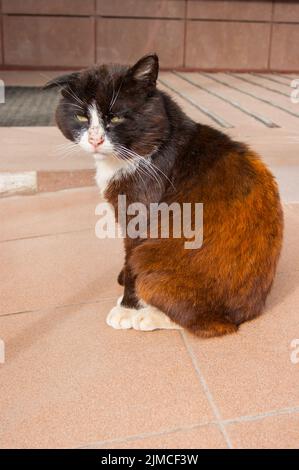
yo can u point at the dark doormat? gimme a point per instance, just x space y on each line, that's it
28 106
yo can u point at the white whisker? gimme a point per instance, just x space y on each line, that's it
113 102
152 169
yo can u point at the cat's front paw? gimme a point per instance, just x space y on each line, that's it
150 318
120 317
143 321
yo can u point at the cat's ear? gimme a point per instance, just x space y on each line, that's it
62 80
146 69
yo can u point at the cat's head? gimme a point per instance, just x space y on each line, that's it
113 110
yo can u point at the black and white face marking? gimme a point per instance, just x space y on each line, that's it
115 113
93 138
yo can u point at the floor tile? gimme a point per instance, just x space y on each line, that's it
49 213
289 260
203 437
63 269
275 432
29 78
70 380
251 372
39 149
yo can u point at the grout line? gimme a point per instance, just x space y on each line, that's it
2 32
148 434
248 93
95 33
31 237
17 313
226 20
288 77
185 33
124 17
235 104
270 79
261 85
96 15
207 392
165 18
48 15
242 419
248 418
220 121
57 307
271 35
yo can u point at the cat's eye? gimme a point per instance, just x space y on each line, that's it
116 119
81 118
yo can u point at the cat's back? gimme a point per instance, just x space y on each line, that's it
218 167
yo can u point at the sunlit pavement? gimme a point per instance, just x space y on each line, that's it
69 380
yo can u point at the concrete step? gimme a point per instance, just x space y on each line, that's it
38 159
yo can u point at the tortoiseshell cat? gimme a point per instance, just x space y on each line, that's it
118 114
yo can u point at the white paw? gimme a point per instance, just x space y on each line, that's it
150 318
120 317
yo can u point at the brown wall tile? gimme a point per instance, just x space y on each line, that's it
48 41
142 8
286 11
1 55
227 45
126 40
54 7
229 9
284 50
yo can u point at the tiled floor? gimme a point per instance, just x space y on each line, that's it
71 381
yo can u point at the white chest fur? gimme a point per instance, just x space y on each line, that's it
108 168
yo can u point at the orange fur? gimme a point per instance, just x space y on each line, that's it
213 289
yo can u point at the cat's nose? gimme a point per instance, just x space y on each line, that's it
95 140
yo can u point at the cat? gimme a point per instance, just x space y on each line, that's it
136 131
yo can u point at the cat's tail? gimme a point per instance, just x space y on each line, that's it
196 317
214 328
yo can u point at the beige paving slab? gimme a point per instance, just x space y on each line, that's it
29 78
203 437
282 118
274 432
289 260
224 110
39 148
277 147
261 86
188 108
59 269
282 78
60 180
48 213
284 85
70 380
287 179
251 372
279 150
278 116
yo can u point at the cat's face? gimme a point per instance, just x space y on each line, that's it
113 110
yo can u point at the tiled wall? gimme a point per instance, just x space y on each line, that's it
203 34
